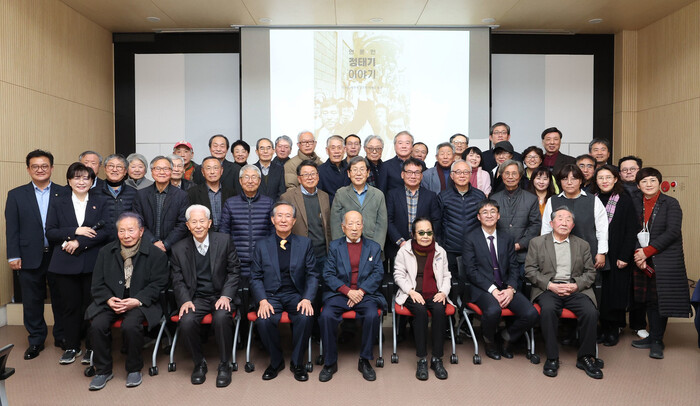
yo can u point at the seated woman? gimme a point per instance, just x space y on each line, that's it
480 179
541 185
423 279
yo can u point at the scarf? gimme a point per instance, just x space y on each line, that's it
429 287
473 179
127 254
610 205
441 174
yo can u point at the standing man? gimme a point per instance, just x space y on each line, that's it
218 148
283 147
390 172
272 182
93 160
499 132
29 252
306 144
460 142
333 173
185 150
283 278
374 145
119 196
629 166
553 158
211 194
177 178
600 150
352 276
205 270
353 146
437 178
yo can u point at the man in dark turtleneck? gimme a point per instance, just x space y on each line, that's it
118 195
437 178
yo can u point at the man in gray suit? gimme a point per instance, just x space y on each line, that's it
437 178
561 270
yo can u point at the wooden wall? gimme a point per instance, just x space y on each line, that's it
657 110
56 93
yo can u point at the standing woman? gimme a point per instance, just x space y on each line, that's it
137 167
622 236
75 225
532 159
480 179
661 280
542 185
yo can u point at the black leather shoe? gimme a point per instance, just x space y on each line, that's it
657 350
300 373
199 375
327 372
643 343
612 338
33 351
507 349
366 369
223 376
422 370
271 372
436 365
492 351
588 365
551 367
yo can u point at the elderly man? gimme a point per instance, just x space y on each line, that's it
283 279
306 144
502 152
120 196
205 270
460 142
499 132
333 173
126 283
352 276
390 173
554 160
162 207
419 151
353 146
560 267
494 272
218 148
185 150
283 147
211 194
177 176
361 197
93 160
272 182
437 178
374 145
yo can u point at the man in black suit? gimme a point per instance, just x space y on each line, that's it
283 278
28 250
205 271
218 148
493 270
211 194
554 159
390 171
162 207
272 182
93 160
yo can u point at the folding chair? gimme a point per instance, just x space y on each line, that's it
352 315
400 310
250 366
5 371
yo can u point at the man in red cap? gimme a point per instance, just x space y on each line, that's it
185 150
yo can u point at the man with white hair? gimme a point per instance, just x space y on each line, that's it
307 144
177 176
390 173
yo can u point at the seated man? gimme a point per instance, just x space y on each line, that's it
126 283
561 270
353 276
283 279
205 271
493 270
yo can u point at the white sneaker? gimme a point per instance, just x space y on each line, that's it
642 333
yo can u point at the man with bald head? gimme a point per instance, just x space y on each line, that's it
352 278
306 142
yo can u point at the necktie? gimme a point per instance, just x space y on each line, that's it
494 261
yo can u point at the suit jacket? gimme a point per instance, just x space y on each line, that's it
24 230
199 194
337 271
290 167
301 227
149 278
373 213
397 215
265 278
173 228
431 180
541 265
229 178
274 186
390 174
562 159
476 257
224 262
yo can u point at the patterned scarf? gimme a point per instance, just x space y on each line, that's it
127 254
611 205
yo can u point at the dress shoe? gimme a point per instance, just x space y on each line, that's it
327 372
199 375
60 344
657 350
133 379
300 373
366 369
271 372
492 351
507 349
223 376
436 365
612 338
644 343
422 370
33 351
588 365
99 381
551 367
68 356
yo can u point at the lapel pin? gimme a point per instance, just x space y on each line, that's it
370 259
94 208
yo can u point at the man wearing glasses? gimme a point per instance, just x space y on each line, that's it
272 183
307 144
374 146
460 142
119 196
499 132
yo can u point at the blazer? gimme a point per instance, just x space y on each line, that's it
476 258
229 178
199 194
301 227
60 226
541 265
431 180
265 276
173 228
562 159
373 212
274 186
24 229
397 215
290 167
149 278
224 262
337 271
390 174
406 269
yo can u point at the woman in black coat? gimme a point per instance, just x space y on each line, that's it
616 276
661 280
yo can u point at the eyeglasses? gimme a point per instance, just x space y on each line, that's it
605 178
491 212
629 170
309 175
264 148
412 173
459 143
500 133
422 233
586 166
459 173
161 169
374 149
37 168
307 142
250 177
114 167
358 171
531 157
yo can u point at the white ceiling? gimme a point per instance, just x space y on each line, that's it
570 16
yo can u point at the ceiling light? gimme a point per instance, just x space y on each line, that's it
488 20
595 21
153 19
376 20
265 20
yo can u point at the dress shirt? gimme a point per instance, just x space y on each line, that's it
42 199
215 202
79 208
599 213
495 246
307 193
265 170
412 204
361 196
562 250
203 246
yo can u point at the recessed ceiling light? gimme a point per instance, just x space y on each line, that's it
595 21
152 19
265 20
488 20
376 20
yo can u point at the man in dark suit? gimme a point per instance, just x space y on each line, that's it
561 270
403 205
218 148
493 270
352 277
283 279
205 270
93 160
333 173
211 194
28 250
272 183
553 158
129 275
390 171
162 207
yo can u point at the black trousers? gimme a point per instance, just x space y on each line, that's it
301 328
100 334
587 318
331 316
525 316
75 297
222 323
452 265
420 326
657 322
33 287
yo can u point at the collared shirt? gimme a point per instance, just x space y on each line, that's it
562 250
412 204
599 214
42 199
495 246
203 246
265 170
361 196
307 193
115 192
359 240
215 202
160 201
79 208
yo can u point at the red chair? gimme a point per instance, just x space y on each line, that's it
400 310
206 320
352 315
252 316
568 314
